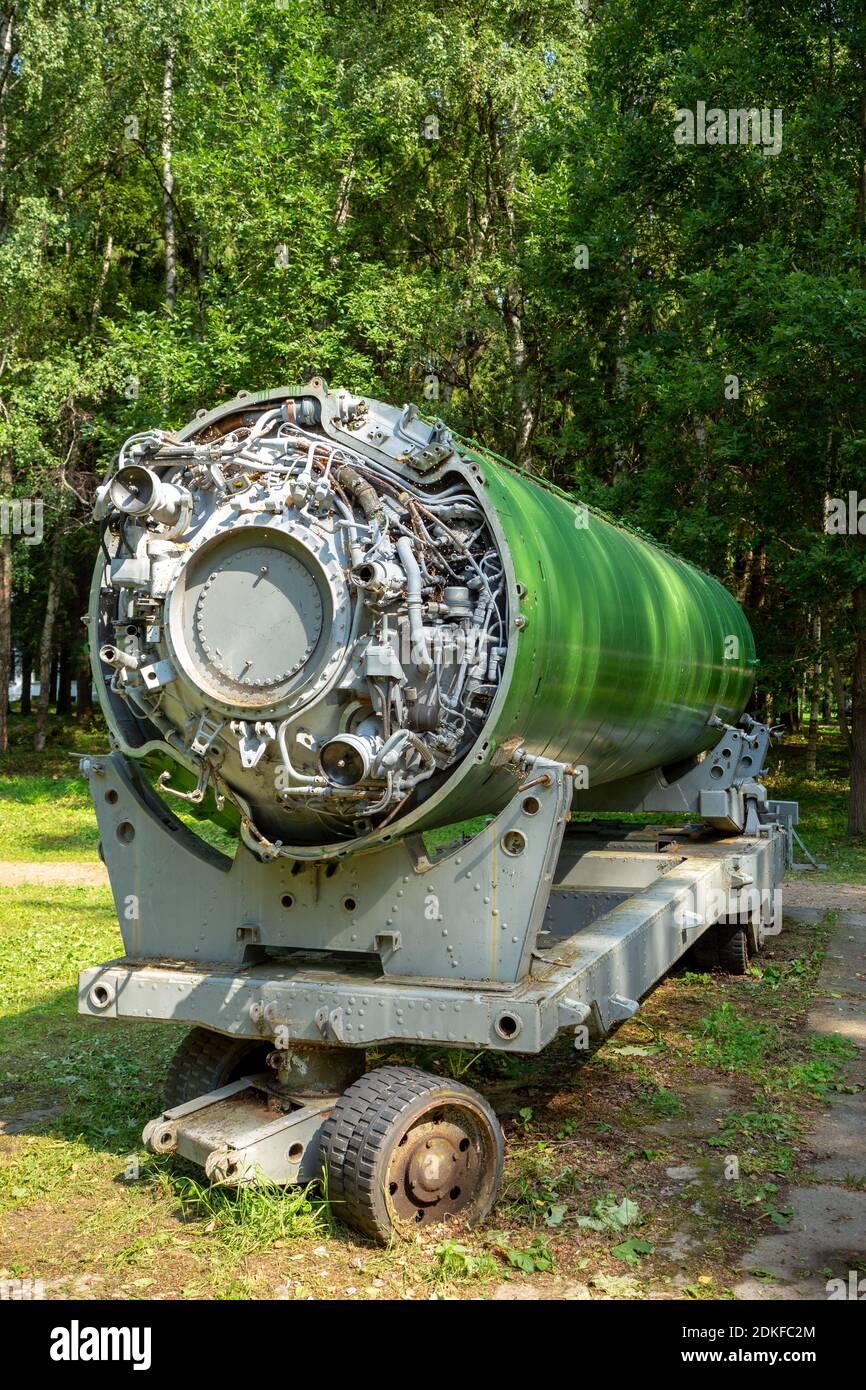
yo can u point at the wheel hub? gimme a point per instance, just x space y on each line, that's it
436 1170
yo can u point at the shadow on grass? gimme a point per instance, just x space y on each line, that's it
84 842
99 1081
82 1082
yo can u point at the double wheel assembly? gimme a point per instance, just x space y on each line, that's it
400 1150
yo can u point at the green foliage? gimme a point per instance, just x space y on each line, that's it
664 1102
737 1043
763 1196
534 1184
607 1214
632 1249
765 1138
455 1262
531 1259
821 1073
380 193
249 1218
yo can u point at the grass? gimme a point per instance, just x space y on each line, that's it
765 1135
250 1218
47 818
46 814
45 810
92 1086
456 1263
735 1043
664 1102
823 800
762 1050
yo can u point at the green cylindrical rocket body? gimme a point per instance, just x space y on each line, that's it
627 651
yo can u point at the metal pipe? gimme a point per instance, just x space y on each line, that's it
420 650
113 656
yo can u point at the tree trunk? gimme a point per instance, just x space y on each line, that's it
5 617
46 645
7 29
64 682
83 692
512 301
521 393
857 803
168 183
451 374
756 594
26 682
839 696
743 576
816 681
861 163
790 715
103 276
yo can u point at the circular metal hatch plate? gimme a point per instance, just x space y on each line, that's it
259 616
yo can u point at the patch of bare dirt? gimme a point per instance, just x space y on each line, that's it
77 875
825 897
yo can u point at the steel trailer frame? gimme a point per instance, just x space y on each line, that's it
535 925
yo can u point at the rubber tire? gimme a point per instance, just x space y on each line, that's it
206 1060
724 946
733 947
356 1141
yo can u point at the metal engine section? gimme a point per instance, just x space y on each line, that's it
316 637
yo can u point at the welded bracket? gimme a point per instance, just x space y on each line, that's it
236 1138
471 913
721 787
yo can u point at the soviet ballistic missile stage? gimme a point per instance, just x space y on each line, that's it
327 624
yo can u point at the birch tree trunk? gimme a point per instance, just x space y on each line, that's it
26 682
6 29
46 645
521 393
814 700
103 276
7 26
168 183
